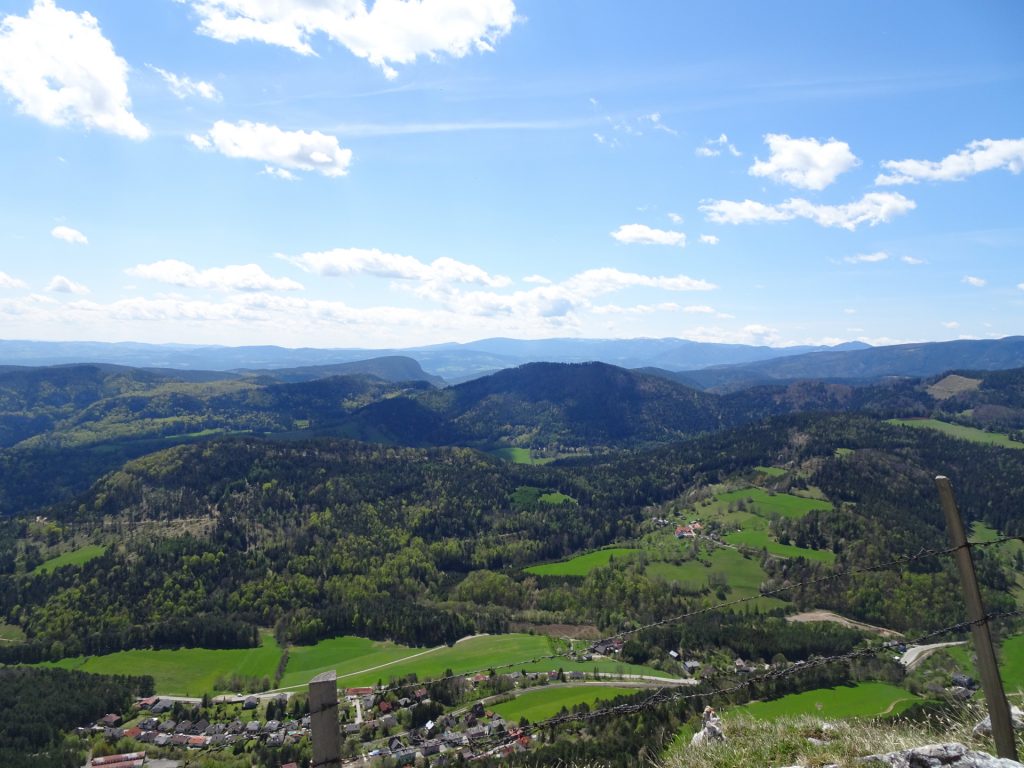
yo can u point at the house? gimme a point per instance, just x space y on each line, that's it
179 740
420 693
431 747
199 728
251 702
351 729
167 726
275 739
404 702
162 740
395 743
148 702
132 733
692 666
161 706
476 732
197 742
477 710
252 727
149 724
577 675
674 655
126 757
184 726
384 706
389 721
109 721
359 691
234 728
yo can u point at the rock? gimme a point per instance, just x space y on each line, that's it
938 756
984 728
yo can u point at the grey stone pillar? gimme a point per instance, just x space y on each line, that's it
323 715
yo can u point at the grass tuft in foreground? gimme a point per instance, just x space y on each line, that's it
788 741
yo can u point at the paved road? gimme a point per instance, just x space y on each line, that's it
918 653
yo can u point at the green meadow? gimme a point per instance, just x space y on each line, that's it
519 456
743 575
762 503
960 432
581 565
544 702
862 700
1011 662
10 633
75 557
183 671
771 471
760 539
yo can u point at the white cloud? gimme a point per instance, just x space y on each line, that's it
699 310
709 239
912 260
594 282
389 32
6 281
867 258
977 157
183 87
237 277
641 234
61 284
371 261
1020 286
655 120
298 150
873 208
713 147
804 163
69 235
279 173
951 324
849 311
675 218
977 282
537 279
60 69
637 309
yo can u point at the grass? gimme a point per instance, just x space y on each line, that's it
519 456
744 575
960 432
344 654
784 741
479 652
10 633
544 702
765 504
761 540
556 498
74 557
184 671
1011 662
771 471
862 700
581 565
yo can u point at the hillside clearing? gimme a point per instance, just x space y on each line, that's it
960 432
544 702
75 557
581 565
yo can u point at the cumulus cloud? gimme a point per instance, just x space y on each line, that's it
641 234
873 208
388 32
709 239
61 284
675 218
372 261
537 279
237 277
977 282
912 260
804 163
976 157
951 324
298 150
867 258
714 147
69 235
183 87
59 68
6 281
279 173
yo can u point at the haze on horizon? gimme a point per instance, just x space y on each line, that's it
385 175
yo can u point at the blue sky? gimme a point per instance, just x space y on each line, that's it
348 173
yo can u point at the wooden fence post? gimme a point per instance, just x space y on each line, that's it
991 683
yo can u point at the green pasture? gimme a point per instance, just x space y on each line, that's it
862 700
10 633
345 654
762 503
519 456
961 432
479 652
743 575
75 557
771 471
581 565
759 539
556 498
541 703
183 671
1011 662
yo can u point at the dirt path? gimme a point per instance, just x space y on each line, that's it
837 619
918 653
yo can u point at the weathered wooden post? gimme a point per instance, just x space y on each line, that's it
991 683
323 716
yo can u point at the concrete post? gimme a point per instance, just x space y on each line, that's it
323 716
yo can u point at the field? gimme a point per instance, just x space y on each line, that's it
581 565
863 700
960 432
556 498
9 633
479 652
743 575
519 456
542 703
75 557
761 540
771 471
765 504
1011 662
184 671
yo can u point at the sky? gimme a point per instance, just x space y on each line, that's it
393 173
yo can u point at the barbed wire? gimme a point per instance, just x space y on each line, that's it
834 575
662 697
